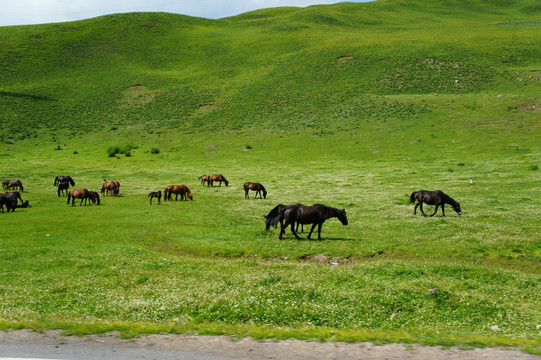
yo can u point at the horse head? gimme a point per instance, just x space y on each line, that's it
342 216
457 208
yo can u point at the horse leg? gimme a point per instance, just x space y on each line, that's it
421 207
312 229
319 230
436 210
246 195
293 230
443 209
415 209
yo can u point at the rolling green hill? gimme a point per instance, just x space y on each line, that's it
325 68
353 105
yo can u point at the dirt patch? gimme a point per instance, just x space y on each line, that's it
224 347
209 106
137 96
334 260
345 57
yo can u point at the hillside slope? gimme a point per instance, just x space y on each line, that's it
322 68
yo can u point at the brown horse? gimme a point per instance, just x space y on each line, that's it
5 184
110 187
316 214
14 184
82 194
217 177
204 178
436 197
155 194
17 194
181 190
257 187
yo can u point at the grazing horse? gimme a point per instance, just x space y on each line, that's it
257 187
110 187
204 178
166 192
63 186
155 194
274 217
94 196
315 214
217 177
60 179
82 194
10 200
14 184
5 184
17 194
181 190
436 197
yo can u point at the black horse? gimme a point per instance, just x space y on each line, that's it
63 186
436 197
275 216
155 194
10 200
62 179
316 214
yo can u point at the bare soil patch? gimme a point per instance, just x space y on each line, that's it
248 348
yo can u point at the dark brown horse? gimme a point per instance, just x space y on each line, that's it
16 184
316 214
110 187
82 194
436 197
217 177
155 194
5 184
204 178
181 190
62 179
17 194
94 196
257 187
10 200
275 216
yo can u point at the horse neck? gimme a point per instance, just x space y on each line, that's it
329 212
449 200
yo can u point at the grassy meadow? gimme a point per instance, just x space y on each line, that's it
351 105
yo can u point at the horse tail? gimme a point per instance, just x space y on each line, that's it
72 182
412 196
55 180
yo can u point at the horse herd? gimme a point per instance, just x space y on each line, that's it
286 215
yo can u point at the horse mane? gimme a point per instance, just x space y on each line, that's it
275 215
448 199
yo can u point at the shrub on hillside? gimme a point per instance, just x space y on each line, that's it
112 151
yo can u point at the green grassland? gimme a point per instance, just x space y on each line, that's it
350 105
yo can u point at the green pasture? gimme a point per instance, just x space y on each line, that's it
353 105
